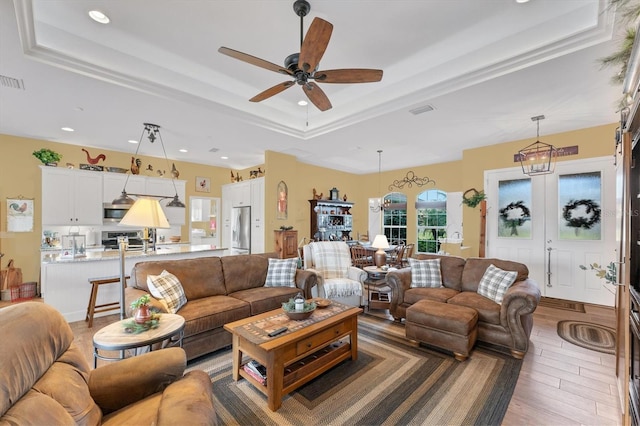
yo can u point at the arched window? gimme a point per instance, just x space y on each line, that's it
431 213
395 217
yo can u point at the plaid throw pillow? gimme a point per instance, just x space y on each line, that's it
495 282
425 273
281 273
167 288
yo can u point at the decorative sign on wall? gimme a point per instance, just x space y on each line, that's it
19 214
561 152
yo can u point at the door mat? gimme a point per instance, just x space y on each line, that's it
588 335
566 305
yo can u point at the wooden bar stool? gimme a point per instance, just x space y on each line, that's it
92 308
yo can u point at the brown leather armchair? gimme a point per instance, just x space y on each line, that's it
45 379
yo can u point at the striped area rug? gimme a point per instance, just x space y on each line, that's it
393 382
587 335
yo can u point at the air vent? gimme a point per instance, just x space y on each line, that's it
214 150
11 82
421 109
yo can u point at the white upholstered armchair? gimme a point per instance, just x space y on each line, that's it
337 278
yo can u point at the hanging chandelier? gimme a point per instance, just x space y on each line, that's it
153 132
538 158
381 203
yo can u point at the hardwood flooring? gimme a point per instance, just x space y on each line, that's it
559 384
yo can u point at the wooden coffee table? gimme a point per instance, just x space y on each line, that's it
297 356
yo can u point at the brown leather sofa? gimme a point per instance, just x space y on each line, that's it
219 290
46 380
507 325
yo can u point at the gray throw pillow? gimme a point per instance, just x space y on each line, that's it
425 273
495 282
281 272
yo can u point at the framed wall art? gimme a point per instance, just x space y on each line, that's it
19 214
203 184
283 195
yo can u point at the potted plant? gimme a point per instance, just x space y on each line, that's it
47 156
142 313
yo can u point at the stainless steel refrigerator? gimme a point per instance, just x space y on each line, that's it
241 230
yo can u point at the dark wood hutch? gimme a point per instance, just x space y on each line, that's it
330 220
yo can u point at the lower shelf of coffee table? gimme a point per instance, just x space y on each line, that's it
307 368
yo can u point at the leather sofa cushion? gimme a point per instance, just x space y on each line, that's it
475 267
263 299
244 272
451 268
206 314
200 277
488 310
442 294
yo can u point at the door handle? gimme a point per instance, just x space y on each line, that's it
549 266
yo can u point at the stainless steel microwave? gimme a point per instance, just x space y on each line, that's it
113 213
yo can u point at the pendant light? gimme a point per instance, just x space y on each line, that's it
538 158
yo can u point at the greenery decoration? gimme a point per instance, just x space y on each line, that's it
47 156
474 199
515 214
145 299
290 306
133 327
609 273
592 209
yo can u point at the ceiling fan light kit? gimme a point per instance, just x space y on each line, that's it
303 66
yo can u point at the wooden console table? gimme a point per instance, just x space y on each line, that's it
294 358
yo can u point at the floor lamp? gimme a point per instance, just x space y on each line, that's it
147 213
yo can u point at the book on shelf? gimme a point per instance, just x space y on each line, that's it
252 373
257 368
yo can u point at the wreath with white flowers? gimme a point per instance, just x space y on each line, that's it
591 217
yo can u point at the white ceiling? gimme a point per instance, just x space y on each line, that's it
486 67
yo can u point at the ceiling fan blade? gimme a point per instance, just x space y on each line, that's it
272 91
254 61
314 44
354 75
316 96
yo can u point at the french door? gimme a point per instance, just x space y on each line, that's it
555 223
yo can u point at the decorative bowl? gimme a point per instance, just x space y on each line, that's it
175 239
322 303
295 315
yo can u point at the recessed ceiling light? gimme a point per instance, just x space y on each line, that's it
522 1
67 129
303 103
132 141
183 150
98 16
224 158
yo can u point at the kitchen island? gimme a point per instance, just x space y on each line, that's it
65 282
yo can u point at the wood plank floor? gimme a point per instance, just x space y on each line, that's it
559 384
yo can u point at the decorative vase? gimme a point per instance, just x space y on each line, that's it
142 315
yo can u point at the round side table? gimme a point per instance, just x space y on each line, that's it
114 338
378 291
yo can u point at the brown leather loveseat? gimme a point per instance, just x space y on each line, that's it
507 325
46 380
219 290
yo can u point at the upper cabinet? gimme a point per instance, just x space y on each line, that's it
164 187
257 215
71 197
114 183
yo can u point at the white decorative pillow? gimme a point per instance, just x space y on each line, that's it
425 273
495 282
167 288
281 272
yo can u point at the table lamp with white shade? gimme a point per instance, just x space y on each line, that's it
380 257
146 213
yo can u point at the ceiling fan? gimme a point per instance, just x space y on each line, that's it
303 66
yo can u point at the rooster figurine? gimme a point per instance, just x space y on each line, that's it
174 172
94 160
135 165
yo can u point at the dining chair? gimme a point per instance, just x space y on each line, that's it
361 257
395 259
408 252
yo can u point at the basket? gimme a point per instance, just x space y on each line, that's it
24 291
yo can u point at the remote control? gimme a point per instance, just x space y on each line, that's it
278 331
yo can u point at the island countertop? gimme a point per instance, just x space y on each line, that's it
163 250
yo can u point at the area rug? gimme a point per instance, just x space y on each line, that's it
566 305
394 381
587 335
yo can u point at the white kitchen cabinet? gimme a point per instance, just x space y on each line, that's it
163 186
257 215
225 220
113 183
71 197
